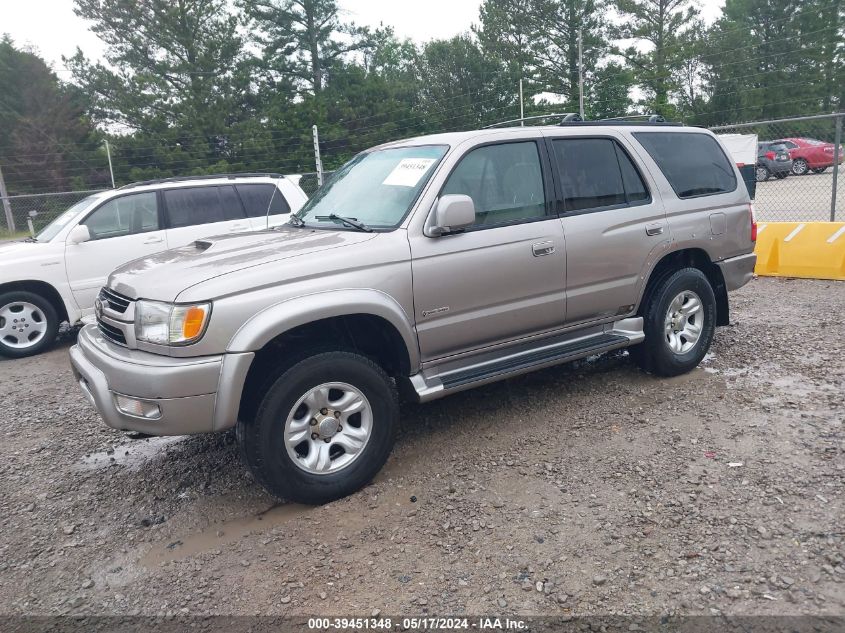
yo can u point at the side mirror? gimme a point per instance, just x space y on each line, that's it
78 234
452 213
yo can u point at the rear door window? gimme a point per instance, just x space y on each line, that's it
694 164
596 173
258 199
201 205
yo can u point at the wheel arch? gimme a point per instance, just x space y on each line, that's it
689 258
43 289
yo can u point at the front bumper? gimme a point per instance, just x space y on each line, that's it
738 271
195 395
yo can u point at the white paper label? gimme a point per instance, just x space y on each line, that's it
408 172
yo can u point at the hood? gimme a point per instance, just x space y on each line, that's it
164 275
20 253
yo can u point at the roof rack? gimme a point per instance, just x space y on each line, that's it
565 116
159 181
629 119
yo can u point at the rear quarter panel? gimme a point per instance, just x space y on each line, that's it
718 224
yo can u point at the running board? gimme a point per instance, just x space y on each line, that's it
624 333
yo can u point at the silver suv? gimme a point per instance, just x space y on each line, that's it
424 267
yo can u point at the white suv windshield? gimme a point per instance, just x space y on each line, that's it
375 188
51 230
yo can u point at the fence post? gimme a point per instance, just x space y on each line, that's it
10 219
837 142
317 156
111 170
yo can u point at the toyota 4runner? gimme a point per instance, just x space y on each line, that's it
424 267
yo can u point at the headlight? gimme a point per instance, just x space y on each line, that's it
168 324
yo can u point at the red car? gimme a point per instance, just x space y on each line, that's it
809 154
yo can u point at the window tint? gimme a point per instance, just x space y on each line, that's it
125 215
504 181
694 164
201 205
257 198
596 173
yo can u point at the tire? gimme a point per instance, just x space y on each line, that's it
321 463
28 324
800 167
761 173
781 175
654 355
819 170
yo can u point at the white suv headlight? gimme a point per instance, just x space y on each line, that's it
168 324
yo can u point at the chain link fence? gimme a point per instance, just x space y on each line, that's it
798 168
32 212
28 214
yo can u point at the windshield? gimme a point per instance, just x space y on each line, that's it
375 188
51 230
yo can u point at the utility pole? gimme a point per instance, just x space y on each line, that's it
580 75
521 105
317 156
111 171
10 219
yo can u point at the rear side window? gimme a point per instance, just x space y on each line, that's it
596 173
694 164
201 205
258 198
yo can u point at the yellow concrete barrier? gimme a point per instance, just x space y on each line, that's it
811 250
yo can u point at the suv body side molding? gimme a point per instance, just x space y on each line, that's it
622 334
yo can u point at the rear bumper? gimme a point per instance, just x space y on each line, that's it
194 395
738 271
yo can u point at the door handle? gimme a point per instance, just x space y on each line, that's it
542 248
153 240
654 229
238 227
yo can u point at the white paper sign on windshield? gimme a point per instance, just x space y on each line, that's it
408 172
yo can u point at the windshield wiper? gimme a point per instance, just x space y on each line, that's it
295 220
351 222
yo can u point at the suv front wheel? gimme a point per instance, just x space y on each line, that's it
679 319
324 428
28 324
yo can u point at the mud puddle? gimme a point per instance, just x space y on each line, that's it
218 534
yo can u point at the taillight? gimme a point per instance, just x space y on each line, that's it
753 217
770 155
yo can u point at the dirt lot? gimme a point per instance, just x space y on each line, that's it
587 489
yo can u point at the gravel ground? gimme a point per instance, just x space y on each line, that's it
585 489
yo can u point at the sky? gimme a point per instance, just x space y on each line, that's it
51 27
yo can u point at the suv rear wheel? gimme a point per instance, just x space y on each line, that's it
324 428
28 324
679 322
761 173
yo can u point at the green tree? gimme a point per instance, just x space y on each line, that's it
608 93
558 24
47 143
661 31
507 32
461 87
302 39
773 58
170 64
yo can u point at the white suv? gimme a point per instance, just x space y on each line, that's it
57 275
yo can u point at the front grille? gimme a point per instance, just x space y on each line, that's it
117 303
112 333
